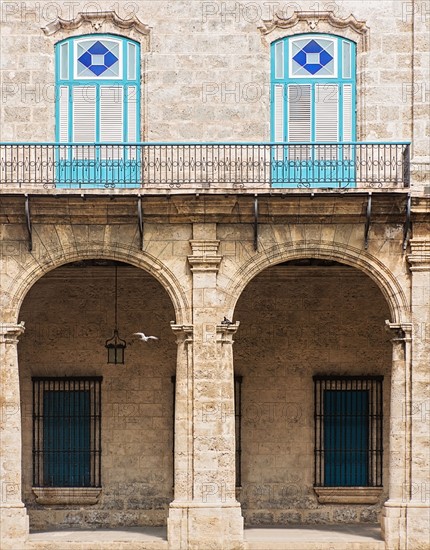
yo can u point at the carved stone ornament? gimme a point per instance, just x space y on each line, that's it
204 257
96 20
313 20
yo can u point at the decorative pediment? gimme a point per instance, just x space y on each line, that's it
317 21
97 21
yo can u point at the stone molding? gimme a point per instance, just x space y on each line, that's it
358 258
226 332
348 495
67 495
402 332
10 332
204 257
184 333
313 20
419 258
96 20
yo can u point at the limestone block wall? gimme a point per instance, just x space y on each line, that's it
297 322
69 314
206 67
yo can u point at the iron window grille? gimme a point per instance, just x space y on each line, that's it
67 431
348 431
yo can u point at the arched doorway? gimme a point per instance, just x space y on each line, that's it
315 363
125 416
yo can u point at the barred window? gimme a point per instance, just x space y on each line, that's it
66 431
348 431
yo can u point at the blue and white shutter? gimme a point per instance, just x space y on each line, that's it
98 89
84 119
318 72
111 120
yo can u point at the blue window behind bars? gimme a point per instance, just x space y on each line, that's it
66 439
97 102
313 106
346 436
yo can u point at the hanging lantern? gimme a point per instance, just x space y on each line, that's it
116 346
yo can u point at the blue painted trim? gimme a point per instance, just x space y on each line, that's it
89 170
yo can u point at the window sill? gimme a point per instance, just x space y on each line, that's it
67 495
348 495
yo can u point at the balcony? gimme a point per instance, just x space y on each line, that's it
223 166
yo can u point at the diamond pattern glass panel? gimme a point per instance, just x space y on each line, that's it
313 57
99 58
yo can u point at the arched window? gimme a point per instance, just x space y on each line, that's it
98 83
313 102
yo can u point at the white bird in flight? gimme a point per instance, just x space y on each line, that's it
143 337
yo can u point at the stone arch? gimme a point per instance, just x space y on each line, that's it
349 255
113 251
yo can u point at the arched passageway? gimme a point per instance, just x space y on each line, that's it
125 471
303 319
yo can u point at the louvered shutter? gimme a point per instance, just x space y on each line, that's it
347 119
63 119
84 120
132 119
327 119
111 119
299 120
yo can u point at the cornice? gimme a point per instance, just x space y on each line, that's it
96 20
184 333
313 20
419 258
401 332
10 332
225 332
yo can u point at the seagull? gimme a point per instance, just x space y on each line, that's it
226 321
143 337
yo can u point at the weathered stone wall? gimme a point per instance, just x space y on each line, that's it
69 314
297 322
206 67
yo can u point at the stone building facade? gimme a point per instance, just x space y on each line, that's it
327 286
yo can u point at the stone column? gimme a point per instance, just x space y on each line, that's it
418 409
394 512
13 516
205 512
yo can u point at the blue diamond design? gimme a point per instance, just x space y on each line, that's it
98 69
312 47
98 48
318 62
313 68
85 59
325 58
110 59
300 58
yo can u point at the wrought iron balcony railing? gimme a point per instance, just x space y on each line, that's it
196 165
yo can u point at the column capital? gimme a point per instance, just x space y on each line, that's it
184 333
419 258
10 332
204 256
226 332
401 332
